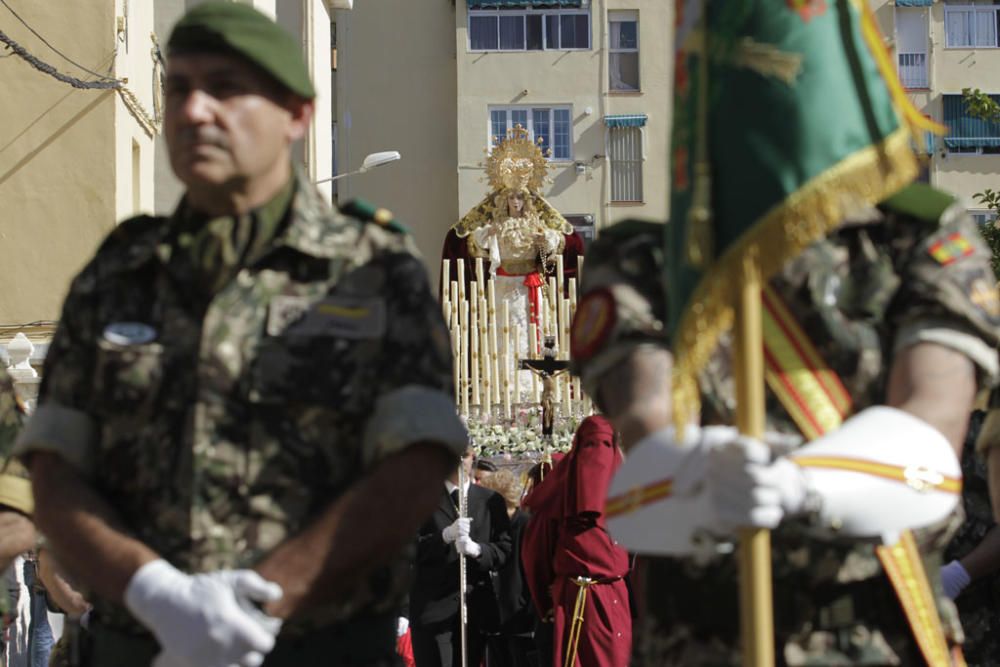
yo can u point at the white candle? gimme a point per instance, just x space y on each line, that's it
464 360
533 336
474 341
460 269
508 355
445 278
494 325
559 274
479 270
484 351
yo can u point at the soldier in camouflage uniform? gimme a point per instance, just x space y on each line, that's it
972 555
901 323
245 412
17 533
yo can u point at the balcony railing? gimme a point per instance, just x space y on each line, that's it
913 70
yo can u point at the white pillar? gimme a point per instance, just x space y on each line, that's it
319 142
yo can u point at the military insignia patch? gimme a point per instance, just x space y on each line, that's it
951 249
984 295
343 316
594 320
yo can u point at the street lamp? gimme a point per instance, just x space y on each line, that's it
370 162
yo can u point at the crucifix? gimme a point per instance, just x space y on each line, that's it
548 368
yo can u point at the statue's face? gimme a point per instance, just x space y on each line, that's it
515 204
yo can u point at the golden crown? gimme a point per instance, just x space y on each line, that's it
517 163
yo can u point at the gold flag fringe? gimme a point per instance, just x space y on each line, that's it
862 179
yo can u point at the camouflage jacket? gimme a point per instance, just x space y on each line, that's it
15 489
869 288
219 425
978 604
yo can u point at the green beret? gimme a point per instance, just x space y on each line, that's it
237 28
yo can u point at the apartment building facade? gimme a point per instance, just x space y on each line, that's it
76 152
441 81
940 48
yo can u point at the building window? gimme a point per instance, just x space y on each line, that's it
911 46
967 134
623 55
529 30
551 127
626 155
982 216
971 26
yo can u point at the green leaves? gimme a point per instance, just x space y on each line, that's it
980 105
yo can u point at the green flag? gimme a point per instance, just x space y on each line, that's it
783 123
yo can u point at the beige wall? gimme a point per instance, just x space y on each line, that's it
57 155
135 123
396 90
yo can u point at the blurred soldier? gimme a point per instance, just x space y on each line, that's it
17 534
245 411
900 304
973 557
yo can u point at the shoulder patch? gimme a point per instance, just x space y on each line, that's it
920 201
368 212
593 323
951 249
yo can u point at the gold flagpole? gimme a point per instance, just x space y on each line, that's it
756 603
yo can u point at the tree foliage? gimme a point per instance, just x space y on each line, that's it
980 105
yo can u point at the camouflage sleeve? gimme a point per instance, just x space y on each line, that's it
948 294
15 487
622 304
415 399
61 423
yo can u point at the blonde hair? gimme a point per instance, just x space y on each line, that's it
507 484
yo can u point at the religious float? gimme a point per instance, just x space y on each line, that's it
509 277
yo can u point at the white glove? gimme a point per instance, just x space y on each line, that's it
748 489
468 547
954 579
402 625
204 620
458 528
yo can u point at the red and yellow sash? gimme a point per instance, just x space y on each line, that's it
817 402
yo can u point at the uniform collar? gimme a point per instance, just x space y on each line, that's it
312 227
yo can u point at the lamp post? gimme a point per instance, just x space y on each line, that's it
373 160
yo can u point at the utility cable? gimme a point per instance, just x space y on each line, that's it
46 43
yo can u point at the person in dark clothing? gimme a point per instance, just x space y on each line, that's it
483 537
513 645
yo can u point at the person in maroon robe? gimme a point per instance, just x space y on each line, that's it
585 555
543 502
